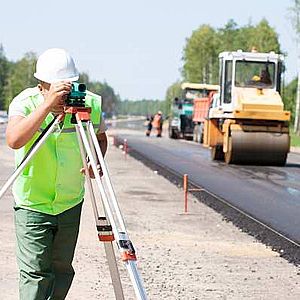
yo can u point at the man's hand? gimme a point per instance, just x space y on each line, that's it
91 173
57 95
20 130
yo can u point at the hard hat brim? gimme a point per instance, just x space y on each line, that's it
47 80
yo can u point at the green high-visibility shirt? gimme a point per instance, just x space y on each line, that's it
51 182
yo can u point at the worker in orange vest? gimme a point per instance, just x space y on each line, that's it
157 123
149 125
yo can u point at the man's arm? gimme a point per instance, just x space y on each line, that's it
21 129
102 140
101 136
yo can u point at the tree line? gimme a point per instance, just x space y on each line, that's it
201 50
200 54
17 76
144 107
200 64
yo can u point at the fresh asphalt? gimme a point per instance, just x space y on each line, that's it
269 194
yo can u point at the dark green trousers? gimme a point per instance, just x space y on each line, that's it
45 252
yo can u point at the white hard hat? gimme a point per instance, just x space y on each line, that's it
56 65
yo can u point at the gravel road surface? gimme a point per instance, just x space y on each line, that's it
180 256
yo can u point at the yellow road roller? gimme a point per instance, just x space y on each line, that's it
247 124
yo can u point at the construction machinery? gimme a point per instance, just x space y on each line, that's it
248 123
181 119
200 110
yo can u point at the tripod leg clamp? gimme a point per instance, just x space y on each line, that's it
105 233
127 250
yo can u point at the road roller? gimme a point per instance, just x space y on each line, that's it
248 124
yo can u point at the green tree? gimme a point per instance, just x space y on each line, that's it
84 78
227 37
289 97
142 107
200 56
203 47
109 98
4 69
264 38
17 76
173 91
295 18
20 76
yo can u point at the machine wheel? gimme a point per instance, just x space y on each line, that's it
281 162
217 153
198 134
188 137
172 133
201 133
228 157
260 148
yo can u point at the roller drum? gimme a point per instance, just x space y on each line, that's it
268 148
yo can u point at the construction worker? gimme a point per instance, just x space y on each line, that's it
49 192
149 125
265 77
157 123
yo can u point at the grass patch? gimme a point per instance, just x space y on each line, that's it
295 140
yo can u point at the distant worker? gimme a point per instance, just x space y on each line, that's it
161 124
157 123
176 101
265 77
149 125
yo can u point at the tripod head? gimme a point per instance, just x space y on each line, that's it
77 96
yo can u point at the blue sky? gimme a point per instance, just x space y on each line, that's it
135 45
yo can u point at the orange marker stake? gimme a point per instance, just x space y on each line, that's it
185 190
125 147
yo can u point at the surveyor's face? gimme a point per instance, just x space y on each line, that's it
44 88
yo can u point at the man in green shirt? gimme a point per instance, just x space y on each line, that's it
49 191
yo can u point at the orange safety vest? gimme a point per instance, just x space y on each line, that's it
156 121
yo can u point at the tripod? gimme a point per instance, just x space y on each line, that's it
111 226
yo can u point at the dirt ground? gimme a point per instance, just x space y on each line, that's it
180 256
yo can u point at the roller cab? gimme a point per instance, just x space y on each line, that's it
248 123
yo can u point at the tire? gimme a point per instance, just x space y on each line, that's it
217 153
201 133
228 157
198 134
172 133
281 162
188 138
201 138
195 134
